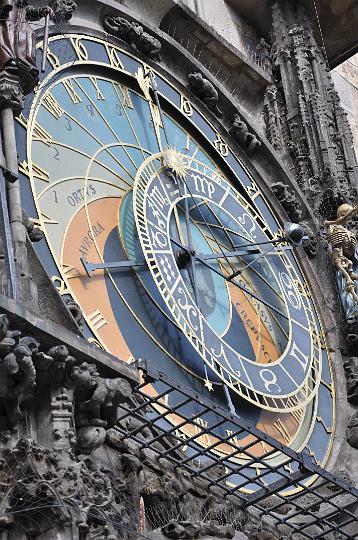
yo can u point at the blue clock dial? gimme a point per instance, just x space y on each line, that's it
171 250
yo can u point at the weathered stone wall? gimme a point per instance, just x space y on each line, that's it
345 78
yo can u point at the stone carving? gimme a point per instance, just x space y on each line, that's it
133 34
293 209
75 310
288 201
96 402
70 492
241 134
23 366
196 529
351 371
62 10
320 152
343 248
309 243
17 373
35 233
352 431
205 91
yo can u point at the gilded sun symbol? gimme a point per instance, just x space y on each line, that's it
175 161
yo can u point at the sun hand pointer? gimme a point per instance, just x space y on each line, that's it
116 265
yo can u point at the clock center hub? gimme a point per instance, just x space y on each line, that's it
183 257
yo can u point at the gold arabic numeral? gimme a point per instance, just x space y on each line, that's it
69 87
113 57
100 96
53 59
201 426
70 272
96 319
42 135
221 146
60 285
51 104
37 171
80 49
186 106
281 428
126 99
95 343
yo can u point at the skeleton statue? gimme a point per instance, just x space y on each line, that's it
344 247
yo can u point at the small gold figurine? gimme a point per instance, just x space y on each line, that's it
343 243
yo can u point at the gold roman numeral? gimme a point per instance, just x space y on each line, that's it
113 57
69 272
42 135
80 48
100 96
281 428
37 171
51 104
70 89
97 320
125 96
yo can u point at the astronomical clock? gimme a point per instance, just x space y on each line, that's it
157 230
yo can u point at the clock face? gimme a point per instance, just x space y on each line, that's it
153 226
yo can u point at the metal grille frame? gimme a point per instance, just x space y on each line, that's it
325 507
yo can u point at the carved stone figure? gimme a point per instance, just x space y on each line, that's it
343 244
133 34
204 90
35 233
309 243
241 134
17 373
351 371
75 310
62 10
288 200
96 405
352 431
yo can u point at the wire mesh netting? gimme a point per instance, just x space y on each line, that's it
277 483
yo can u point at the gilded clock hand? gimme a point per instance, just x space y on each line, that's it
227 278
221 255
92 267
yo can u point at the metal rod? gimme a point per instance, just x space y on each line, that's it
92 267
18 229
9 259
45 43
